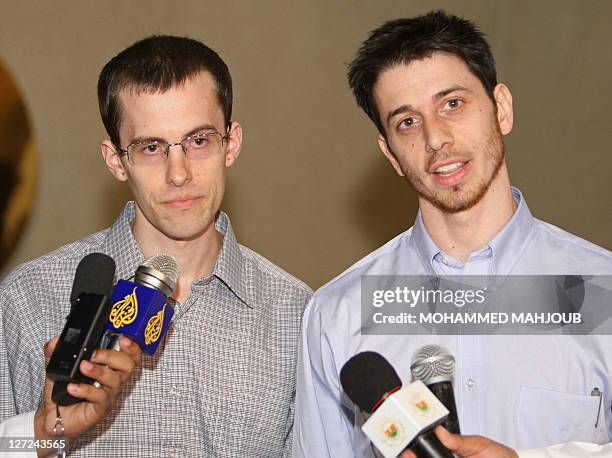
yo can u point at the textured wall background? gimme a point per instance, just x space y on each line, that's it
310 190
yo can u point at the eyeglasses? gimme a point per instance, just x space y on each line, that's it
153 152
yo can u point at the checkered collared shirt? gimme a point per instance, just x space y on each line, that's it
222 384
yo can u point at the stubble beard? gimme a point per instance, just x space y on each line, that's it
462 196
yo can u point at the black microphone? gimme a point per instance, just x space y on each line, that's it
401 416
90 304
94 274
435 367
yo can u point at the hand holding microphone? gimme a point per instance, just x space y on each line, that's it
109 368
469 446
74 361
401 417
138 310
90 304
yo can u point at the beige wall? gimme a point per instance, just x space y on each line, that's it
310 190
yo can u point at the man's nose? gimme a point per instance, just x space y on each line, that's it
178 171
437 134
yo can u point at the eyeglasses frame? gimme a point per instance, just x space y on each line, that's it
168 145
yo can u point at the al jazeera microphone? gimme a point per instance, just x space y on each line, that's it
141 310
138 309
401 416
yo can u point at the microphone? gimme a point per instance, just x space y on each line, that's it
140 308
90 304
401 417
94 274
435 367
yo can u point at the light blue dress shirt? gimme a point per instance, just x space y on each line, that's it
523 391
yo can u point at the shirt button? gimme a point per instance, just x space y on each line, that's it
173 392
470 383
445 261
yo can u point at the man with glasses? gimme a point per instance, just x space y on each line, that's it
429 85
223 382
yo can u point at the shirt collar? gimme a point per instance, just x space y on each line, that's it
426 248
121 245
506 246
230 266
509 243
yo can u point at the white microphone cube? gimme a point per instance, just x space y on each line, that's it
402 416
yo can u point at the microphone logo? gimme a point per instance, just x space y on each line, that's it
393 432
390 430
154 327
125 311
422 405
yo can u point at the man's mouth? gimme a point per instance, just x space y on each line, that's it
449 169
182 202
450 173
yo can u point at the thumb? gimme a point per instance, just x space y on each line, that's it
462 445
49 348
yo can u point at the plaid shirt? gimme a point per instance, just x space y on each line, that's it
222 384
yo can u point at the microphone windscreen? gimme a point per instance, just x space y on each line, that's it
367 378
433 364
94 274
159 272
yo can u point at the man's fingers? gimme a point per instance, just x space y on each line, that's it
463 445
106 376
116 360
445 437
97 396
131 348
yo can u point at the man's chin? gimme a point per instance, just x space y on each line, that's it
455 200
185 235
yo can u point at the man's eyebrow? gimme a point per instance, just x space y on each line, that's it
399 110
408 108
450 90
142 139
200 129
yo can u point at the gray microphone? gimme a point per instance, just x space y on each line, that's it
160 272
435 367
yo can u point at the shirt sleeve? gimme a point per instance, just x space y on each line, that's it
569 450
21 426
288 446
7 402
22 364
321 428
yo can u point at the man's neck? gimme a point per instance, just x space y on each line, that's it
196 258
462 233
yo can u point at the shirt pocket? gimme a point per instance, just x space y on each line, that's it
547 417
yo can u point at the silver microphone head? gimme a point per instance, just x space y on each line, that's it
160 272
433 364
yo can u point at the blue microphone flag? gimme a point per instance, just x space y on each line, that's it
141 313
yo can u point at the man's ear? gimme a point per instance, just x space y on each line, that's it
384 147
113 160
505 114
234 143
